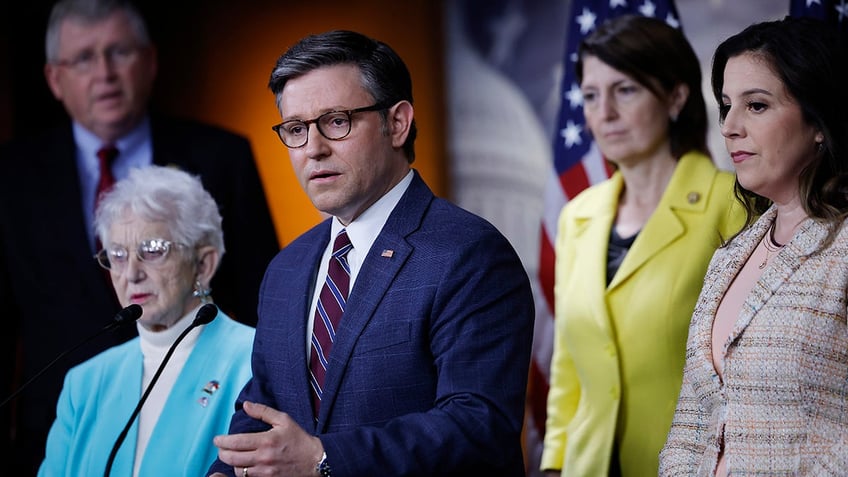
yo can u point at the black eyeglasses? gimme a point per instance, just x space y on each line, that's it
85 62
151 251
333 125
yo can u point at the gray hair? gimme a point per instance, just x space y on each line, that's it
90 11
164 194
384 74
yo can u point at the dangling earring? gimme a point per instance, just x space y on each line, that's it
205 294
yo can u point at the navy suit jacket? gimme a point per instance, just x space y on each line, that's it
52 292
428 371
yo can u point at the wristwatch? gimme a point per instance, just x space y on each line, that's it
323 467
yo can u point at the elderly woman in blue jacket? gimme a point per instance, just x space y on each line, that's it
162 242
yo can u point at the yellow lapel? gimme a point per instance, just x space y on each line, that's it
687 191
593 221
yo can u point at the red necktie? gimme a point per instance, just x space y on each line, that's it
105 156
328 314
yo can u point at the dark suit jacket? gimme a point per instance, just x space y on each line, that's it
52 292
428 371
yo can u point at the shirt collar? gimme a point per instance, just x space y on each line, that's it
88 143
363 231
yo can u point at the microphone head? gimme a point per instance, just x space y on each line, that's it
205 314
128 315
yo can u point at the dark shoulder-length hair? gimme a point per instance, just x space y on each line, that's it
810 60
659 58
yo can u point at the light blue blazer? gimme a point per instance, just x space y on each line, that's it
100 394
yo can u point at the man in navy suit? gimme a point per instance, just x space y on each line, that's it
428 366
101 65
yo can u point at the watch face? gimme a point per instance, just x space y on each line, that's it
323 467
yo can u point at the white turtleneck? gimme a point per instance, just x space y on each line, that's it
154 346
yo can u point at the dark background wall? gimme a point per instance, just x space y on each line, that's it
215 57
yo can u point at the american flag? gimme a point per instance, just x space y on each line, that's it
834 12
831 11
577 165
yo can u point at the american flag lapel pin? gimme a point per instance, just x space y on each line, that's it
387 253
211 387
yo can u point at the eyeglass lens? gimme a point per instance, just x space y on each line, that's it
86 61
149 251
333 125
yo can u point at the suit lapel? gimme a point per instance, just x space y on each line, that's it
662 229
725 265
372 283
593 222
61 187
806 240
183 405
729 261
688 190
295 315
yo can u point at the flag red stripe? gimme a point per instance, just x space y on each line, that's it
574 180
546 266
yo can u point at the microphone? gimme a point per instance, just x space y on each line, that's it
127 315
204 315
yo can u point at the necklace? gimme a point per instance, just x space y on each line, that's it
771 245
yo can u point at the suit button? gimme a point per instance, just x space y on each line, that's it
614 392
610 348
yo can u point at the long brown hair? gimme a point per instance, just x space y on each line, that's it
810 60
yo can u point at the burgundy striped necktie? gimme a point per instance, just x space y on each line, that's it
105 157
328 314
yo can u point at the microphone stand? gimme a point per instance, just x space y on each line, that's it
204 315
127 315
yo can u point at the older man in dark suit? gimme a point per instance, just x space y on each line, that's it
101 65
394 337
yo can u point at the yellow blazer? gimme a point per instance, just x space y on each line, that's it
619 351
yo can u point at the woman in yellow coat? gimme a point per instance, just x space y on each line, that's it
632 252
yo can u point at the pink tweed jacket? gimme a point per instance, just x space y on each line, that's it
782 408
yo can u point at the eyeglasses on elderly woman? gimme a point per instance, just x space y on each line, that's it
150 251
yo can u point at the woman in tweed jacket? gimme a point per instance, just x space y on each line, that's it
765 385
